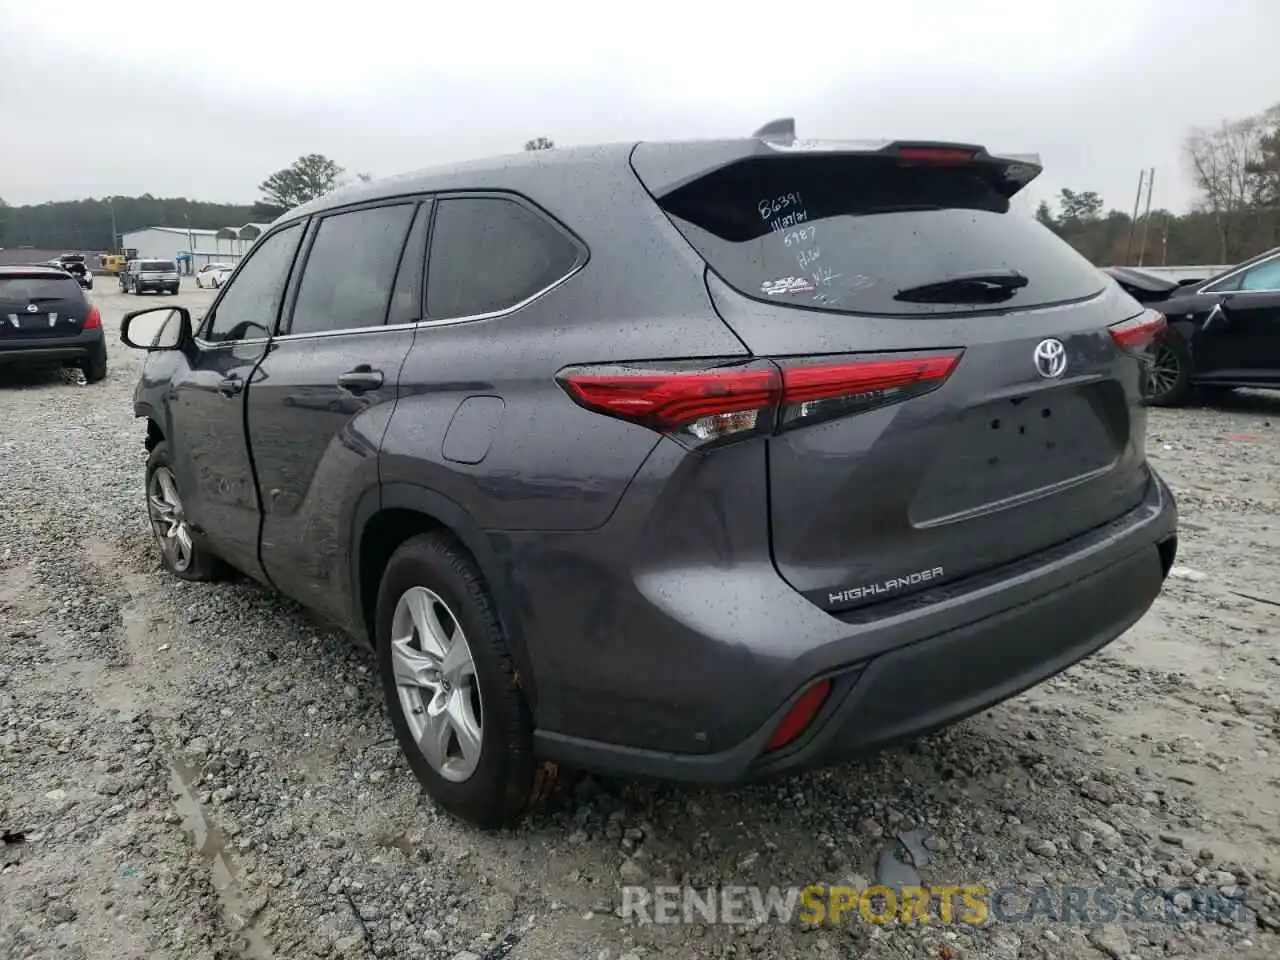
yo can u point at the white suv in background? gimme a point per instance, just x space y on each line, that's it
213 275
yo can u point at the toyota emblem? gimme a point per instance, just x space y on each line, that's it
1050 358
32 308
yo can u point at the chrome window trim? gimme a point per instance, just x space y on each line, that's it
443 322
1235 272
584 257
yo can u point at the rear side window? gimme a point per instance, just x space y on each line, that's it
36 289
850 234
347 281
489 254
157 266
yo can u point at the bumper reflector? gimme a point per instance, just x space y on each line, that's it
799 716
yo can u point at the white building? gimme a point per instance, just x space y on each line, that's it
192 248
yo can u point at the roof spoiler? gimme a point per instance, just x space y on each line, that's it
665 167
781 135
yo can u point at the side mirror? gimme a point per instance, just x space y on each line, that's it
159 328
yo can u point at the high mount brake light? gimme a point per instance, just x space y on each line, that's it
93 319
935 154
707 403
1138 333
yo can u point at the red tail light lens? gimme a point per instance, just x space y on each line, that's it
800 715
93 319
821 389
704 402
1137 334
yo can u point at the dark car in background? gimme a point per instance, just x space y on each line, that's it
74 264
1222 333
46 319
700 460
158 276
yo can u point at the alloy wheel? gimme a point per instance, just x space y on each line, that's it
168 519
1162 371
436 679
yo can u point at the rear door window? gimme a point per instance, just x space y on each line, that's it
849 234
489 254
346 283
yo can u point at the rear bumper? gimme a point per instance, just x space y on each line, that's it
894 677
33 351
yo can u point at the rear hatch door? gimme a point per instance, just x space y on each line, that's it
1030 433
40 304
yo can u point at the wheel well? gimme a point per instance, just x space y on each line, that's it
154 435
385 532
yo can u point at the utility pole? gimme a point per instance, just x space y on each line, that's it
1164 242
1146 217
190 243
111 201
1133 222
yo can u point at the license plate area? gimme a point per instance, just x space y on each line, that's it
1006 449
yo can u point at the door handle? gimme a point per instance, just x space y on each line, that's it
360 380
230 386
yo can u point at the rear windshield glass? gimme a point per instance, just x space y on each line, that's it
157 266
36 289
853 234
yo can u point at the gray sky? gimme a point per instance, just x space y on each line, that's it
1098 89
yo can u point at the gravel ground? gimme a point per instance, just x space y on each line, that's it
202 771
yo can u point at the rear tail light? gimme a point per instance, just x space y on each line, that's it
704 402
93 319
801 714
1137 334
821 390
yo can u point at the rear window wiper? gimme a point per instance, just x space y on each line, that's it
980 286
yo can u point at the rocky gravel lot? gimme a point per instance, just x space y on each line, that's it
202 771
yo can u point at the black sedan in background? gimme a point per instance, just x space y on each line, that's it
1223 332
45 319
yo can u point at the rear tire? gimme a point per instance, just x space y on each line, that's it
184 557
493 784
1167 382
95 368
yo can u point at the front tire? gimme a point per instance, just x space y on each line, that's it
181 552
450 684
1167 382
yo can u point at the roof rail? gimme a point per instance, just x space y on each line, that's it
778 131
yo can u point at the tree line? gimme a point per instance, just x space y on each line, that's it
1235 167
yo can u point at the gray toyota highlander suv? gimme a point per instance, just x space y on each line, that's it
700 460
